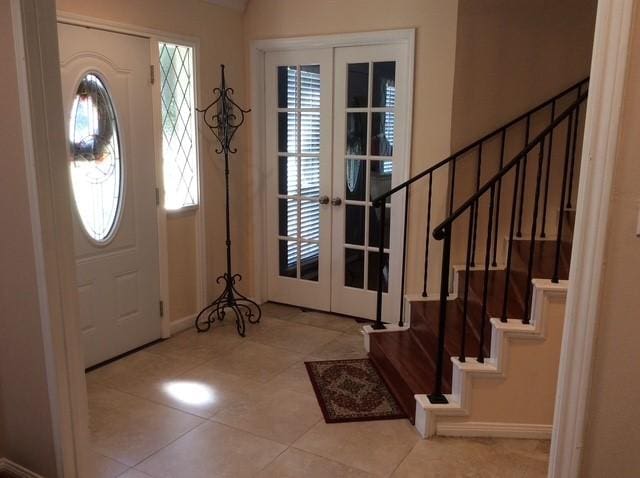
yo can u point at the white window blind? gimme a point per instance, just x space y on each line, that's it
303 136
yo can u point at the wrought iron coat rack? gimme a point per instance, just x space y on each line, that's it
223 117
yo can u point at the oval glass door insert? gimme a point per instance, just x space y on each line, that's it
96 164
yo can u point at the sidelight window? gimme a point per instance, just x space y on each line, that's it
179 153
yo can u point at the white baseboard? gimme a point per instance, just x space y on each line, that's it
8 466
494 430
181 324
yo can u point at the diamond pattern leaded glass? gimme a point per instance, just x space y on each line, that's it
178 126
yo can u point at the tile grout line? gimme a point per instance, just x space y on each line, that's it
329 459
168 444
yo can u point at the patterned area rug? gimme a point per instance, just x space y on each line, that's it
352 390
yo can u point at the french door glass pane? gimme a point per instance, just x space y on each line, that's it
309 219
374 227
357 133
369 136
288 225
310 177
310 86
288 175
354 268
382 127
287 132
287 86
354 225
373 271
310 132
309 261
384 84
288 258
355 175
379 178
299 170
358 85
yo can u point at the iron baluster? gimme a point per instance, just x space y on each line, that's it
543 233
427 239
532 247
404 257
383 217
573 156
524 177
497 223
437 396
467 271
485 290
510 246
475 220
453 184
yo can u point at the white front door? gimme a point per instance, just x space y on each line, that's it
108 114
335 140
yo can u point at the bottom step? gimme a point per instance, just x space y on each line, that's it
404 366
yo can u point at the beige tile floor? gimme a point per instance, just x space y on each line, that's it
216 405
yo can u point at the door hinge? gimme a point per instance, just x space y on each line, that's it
157 196
152 74
161 308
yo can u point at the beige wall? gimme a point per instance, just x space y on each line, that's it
182 254
219 31
613 416
24 399
513 54
526 394
435 23
510 56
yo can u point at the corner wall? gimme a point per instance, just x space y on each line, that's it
25 414
612 431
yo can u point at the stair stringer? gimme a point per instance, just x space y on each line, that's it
431 419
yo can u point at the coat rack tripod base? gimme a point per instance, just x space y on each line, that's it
223 117
229 302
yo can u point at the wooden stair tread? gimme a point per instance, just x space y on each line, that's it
405 367
402 348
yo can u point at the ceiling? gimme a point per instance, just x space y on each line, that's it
234 4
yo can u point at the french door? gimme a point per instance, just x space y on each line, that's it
334 142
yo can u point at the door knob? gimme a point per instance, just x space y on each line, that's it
336 201
323 199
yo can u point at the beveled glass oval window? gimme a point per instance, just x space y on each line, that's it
96 164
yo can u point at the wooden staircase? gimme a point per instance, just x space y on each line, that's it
431 365
407 359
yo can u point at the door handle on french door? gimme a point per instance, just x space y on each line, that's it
336 201
323 199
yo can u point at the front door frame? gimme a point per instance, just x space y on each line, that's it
170 325
257 52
